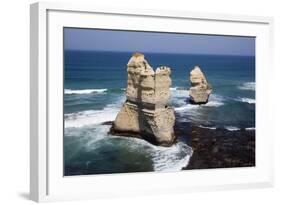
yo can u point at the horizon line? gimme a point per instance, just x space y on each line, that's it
173 53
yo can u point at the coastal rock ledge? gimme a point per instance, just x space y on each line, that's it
200 88
145 113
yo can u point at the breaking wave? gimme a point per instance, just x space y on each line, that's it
93 117
247 100
84 91
214 101
247 86
172 158
211 128
89 117
250 128
231 128
164 159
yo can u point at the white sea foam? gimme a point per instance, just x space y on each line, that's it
250 128
173 88
171 158
214 104
247 86
232 128
186 107
211 128
164 159
178 93
84 91
214 101
247 100
91 117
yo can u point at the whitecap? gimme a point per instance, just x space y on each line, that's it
186 107
211 128
247 100
173 88
214 101
84 91
172 158
179 93
232 128
250 128
247 86
164 159
91 117
214 104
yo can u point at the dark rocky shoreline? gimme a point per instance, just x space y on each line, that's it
220 148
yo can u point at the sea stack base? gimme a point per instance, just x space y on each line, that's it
199 96
200 89
155 126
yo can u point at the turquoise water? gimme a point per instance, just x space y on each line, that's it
94 90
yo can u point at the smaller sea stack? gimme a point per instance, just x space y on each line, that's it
145 113
200 89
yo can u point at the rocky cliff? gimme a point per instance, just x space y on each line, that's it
145 114
200 89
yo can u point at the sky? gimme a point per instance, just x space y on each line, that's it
155 42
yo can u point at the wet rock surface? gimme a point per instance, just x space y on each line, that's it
218 148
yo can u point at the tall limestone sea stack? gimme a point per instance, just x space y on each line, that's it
200 88
145 114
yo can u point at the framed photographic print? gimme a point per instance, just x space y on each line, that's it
127 102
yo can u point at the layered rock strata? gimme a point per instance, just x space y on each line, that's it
200 89
145 114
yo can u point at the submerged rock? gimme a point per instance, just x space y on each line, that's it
200 88
145 114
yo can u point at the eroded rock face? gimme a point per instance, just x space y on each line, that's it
200 89
145 114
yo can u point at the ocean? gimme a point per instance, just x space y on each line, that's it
94 91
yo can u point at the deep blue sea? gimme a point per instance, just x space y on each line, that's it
94 90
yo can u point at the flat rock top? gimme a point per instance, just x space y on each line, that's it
137 54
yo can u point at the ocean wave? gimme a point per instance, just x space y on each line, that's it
214 104
214 101
232 128
206 127
173 89
247 100
178 92
250 128
91 117
164 159
247 86
84 91
171 158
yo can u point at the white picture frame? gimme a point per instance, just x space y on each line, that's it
46 178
